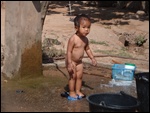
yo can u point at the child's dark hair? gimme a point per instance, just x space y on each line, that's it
78 17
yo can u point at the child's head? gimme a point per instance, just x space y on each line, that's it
82 25
78 18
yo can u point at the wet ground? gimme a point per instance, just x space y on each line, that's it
42 94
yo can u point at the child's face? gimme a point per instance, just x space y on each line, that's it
84 28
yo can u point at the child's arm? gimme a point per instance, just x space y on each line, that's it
90 55
69 52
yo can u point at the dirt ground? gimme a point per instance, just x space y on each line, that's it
43 93
108 24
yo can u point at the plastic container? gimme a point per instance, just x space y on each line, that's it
112 102
123 72
130 66
142 87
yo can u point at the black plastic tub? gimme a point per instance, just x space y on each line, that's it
142 87
112 102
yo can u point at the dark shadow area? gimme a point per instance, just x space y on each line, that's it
60 70
97 13
85 85
66 88
46 59
37 5
116 23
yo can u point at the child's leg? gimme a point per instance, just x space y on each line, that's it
79 73
72 81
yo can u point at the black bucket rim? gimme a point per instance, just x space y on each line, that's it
114 106
142 76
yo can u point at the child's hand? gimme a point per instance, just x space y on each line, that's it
94 62
70 68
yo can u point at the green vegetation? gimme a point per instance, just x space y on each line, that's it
140 40
101 43
122 52
107 52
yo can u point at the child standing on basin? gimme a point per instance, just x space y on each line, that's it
77 44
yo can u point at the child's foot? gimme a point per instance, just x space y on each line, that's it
72 94
81 95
